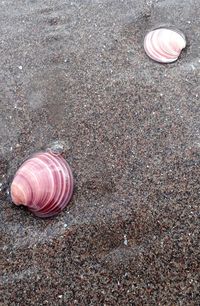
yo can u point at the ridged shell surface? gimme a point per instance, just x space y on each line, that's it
43 183
164 45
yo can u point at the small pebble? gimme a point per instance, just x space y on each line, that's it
125 240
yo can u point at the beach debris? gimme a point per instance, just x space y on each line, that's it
44 184
57 147
125 240
164 45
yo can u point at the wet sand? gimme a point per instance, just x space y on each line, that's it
76 71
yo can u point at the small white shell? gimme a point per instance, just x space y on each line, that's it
164 45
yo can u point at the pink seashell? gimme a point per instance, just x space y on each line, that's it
43 183
164 45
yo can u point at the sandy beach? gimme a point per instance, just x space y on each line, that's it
76 71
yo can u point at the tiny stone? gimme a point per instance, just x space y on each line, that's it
125 240
20 67
57 147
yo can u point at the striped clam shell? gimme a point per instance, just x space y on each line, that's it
43 183
164 45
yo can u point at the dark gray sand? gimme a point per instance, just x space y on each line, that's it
76 71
